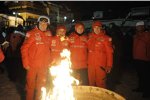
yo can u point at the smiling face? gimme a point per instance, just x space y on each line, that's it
97 29
61 32
43 25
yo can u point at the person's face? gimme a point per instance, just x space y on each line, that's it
79 29
61 32
43 25
140 28
97 29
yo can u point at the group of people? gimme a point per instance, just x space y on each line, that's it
11 39
91 55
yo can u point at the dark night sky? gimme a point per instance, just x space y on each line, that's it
112 9
83 10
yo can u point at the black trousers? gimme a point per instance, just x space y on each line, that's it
143 72
82 75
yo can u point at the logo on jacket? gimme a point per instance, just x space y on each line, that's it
38 38
53 43
72 40
65 43
100 39
83 39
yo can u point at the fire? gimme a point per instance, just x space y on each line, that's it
63 80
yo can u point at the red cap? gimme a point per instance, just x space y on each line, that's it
97 23
61 27
78 24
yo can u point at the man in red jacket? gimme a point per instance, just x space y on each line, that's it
58 43
100 55
78 48
36 57
141 51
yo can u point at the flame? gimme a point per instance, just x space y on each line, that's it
63 80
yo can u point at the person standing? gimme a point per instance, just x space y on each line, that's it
78 48
58 42
115 75
141 57
4 39
100 55
36 57
4 45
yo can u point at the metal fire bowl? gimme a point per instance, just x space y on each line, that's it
95 93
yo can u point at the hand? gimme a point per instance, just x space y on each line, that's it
62 38
27 68
55 62
5 45
108 69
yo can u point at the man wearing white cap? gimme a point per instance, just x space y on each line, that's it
141 51
140 23
36 57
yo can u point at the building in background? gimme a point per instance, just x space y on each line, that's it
29 11
10 20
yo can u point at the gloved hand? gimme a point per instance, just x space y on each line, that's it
108 69
5 45
27 67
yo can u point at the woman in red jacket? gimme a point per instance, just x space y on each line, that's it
100 55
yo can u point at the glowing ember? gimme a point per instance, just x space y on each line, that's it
63 80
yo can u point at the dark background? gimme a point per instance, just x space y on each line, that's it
83 10
112 9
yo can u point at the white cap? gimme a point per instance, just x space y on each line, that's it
44 17
139 23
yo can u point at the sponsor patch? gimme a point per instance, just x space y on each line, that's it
53 43
100 39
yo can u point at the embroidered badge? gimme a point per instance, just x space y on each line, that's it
100 39
65 43
72 40
53 43
83 39
38 38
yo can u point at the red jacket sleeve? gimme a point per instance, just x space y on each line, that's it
25 48
109 52
147 38
1 56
